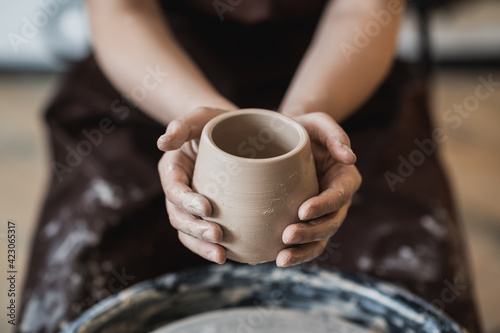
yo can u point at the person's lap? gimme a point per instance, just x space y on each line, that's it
104 225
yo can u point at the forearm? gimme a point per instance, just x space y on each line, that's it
338 72
132 41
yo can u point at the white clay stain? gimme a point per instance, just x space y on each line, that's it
102 192
430 224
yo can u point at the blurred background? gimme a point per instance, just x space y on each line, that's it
40 38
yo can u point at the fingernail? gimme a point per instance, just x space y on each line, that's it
339 143
212 256
209 236
295 239
311 213
162 140
171 129
282 262
193 206
303 214
166 142
347 149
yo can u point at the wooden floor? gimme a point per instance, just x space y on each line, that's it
472 157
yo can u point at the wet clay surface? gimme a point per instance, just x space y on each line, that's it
280 321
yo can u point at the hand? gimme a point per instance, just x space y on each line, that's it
186 208
338 180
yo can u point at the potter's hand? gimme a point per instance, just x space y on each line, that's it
338 180
185 208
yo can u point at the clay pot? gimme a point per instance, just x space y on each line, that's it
256 168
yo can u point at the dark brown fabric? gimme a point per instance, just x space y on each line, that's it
104 225
247 12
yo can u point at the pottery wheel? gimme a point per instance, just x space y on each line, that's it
235 298
258 320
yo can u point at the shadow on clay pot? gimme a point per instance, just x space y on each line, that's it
256 168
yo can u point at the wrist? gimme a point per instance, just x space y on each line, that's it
297 105
315 102
214 101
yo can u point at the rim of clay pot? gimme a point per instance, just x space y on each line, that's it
301 131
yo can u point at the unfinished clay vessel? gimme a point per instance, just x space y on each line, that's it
256 168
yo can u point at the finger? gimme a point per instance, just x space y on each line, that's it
209 251
186 128
323 160
315 230
175 166
339 183
175 179
190 225
321 127
300 254
183 196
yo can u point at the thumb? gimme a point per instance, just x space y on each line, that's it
324 129
186 128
